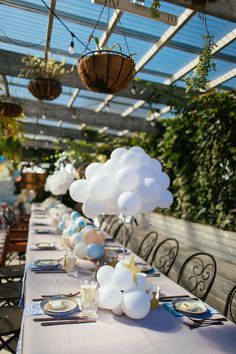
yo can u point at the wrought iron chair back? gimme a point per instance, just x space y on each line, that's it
124 228
113 227
197 274
106 222
230 305
165 255
147 244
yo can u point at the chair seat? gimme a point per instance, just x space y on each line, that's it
10 320
10 291
11 272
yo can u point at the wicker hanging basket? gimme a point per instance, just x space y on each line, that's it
105 71
10 110
45 89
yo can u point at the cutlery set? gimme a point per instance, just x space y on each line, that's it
206 322
56 321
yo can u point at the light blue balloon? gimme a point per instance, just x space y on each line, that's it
74 215
61 225
82 224
79 237
95 251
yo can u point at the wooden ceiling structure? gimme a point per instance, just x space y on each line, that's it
129 114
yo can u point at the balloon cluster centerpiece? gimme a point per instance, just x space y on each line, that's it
59 182
130 182
124 289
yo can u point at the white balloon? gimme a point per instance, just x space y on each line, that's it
94 169
137 149
156 165
131 159
141 281
166 199
135 304
110 208
118 153
127 179
109 297
104 275
122 278
79 190
146 172
100 187
130 203
163 180
121 264
111 167
92 207
148 207
118 310
81 250
149 190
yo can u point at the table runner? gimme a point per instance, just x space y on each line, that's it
160 332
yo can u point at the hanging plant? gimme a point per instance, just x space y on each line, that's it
46 74
9 109
10 127
155 8
106 70
199 78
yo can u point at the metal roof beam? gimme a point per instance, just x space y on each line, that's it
223 42
220 8
165 38
139 10
57 112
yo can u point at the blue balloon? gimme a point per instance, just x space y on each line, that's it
61 225
79 237
95 251
74 215
82 224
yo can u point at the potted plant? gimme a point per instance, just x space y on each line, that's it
8 108
46 74
106 70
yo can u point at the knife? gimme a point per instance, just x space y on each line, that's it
54 319
61 322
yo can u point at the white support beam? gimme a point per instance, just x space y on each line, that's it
219 80
5 85
165 38
103 104
110 28
133 108
158 114
49 29
139 10
73 98
223 42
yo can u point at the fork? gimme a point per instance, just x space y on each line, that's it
203 324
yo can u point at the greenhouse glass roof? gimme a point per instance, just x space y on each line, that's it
164 54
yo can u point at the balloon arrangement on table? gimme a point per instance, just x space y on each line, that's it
88 243
59 182
130 182
124 289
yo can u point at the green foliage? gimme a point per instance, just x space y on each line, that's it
154 8
199 78
38 68
11 149
198 150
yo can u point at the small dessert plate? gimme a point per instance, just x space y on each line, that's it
189 306
47 263
45 245
59 306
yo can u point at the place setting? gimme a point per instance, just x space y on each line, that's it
48 266
45 246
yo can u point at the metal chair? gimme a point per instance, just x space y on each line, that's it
147 245
124 230
230 305
10 323
114 227
165 255
198 273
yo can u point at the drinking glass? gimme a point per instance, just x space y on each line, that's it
71 264
89 297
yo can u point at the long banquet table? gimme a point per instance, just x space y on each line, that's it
160 332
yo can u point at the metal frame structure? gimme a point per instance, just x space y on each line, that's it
131 118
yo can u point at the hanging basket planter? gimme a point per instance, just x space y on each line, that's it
10 110
45 89
105 71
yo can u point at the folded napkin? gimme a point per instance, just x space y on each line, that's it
210 311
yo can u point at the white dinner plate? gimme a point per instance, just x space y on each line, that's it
59 306
47 263
189 306
45 245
